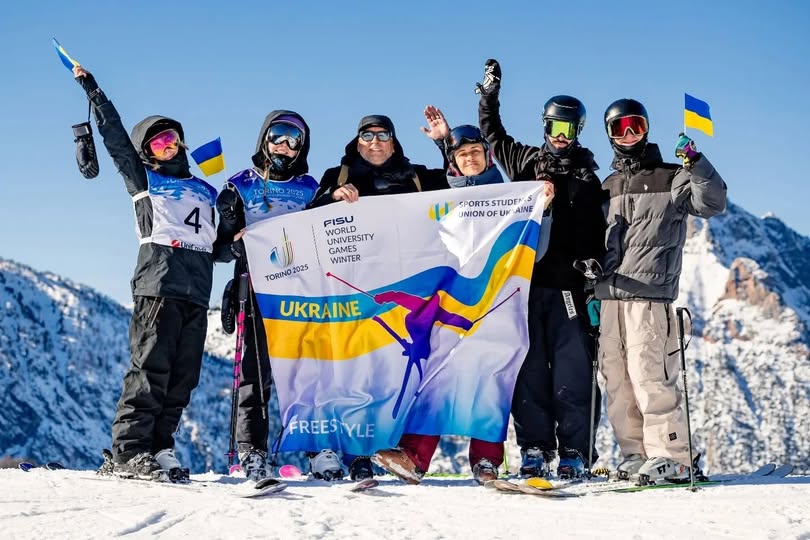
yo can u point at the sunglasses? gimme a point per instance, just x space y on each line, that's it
463 135
618 127
382 136
164 142
555 128
285 133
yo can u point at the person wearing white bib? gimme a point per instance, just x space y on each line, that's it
171 287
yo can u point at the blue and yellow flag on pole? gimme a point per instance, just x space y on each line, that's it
696 115
68 62
209 157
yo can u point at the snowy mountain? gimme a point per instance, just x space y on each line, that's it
746 281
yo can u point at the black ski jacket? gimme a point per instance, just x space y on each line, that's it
578 229
161 270
397 175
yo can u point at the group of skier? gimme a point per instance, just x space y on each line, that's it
633 224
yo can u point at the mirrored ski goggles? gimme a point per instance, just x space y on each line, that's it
618 127
285 133
555 128
163 142
463 135
382 136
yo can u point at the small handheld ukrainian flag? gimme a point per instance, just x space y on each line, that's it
68 62
209 157
696 115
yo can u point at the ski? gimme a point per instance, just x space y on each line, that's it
50 466
768 471
512 487
364 485
290 471
262 488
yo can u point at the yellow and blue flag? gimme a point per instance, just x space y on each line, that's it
68 62
209 157
696 115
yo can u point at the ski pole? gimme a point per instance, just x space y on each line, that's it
237 365
253 315
679 312
591 441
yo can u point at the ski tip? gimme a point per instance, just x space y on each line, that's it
234 469
362 485
289 471
539 483
25 466
54 466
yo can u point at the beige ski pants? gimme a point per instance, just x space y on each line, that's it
639 359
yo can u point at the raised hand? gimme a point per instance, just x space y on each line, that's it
686 150
492 79
438 128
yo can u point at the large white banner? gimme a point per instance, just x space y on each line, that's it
397 314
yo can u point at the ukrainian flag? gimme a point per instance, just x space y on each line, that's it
696 115
68 62
209 157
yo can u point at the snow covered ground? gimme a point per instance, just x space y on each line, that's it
77 504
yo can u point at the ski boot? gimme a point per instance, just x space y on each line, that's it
253 463
142 466
399 463
536 462
325 465
168 462
571 465
484 471
629 467
360 469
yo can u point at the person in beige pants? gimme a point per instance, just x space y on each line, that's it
648 203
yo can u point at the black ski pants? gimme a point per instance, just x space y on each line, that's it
254 382
167 339
552 396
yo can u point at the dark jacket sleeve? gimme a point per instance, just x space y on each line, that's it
115 138
593 226
431 179
231 220
327 185
699 190
513 156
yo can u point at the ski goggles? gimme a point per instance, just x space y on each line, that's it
618 127
555 128
368 136
285 133
461 135
164 142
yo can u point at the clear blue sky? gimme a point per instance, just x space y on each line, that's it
220 67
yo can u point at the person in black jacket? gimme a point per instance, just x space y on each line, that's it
553 389
276 185
375 164
171 287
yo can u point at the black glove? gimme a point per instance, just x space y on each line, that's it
228 313
226 206
492 79
86 157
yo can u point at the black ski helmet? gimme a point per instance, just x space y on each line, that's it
566 108
626 107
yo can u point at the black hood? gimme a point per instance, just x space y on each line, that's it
149 127
299 166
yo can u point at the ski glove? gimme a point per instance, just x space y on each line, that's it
226 206
228 313
594 306
492 79
86 157
686 150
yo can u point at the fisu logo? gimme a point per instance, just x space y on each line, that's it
282 256
439 210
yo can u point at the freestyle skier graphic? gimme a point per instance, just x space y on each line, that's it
422 315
